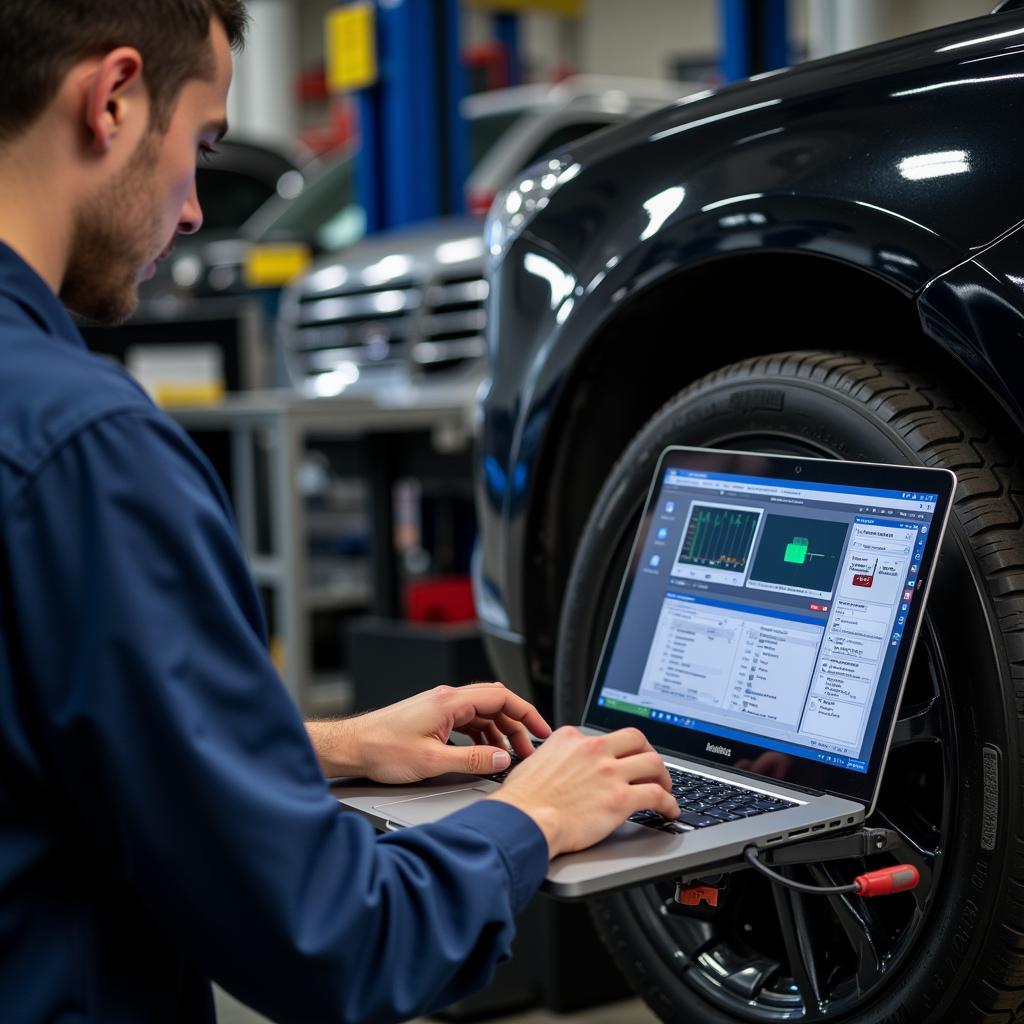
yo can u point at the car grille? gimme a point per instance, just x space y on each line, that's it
453 323
427 327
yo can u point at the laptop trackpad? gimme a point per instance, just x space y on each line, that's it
423 809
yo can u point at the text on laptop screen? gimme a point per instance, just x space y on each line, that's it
769 612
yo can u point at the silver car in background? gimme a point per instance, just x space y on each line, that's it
403 309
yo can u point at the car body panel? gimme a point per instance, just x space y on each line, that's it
898 161
601 100
976 310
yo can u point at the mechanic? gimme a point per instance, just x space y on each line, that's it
164 817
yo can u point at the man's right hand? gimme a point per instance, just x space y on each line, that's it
579 789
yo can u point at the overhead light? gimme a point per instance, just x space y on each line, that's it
712 118
730 201
390 302
186 271
660 207
980 40
332 383
516 206
290 184
461 250
953 84
387 269
327 279
934 165
559 281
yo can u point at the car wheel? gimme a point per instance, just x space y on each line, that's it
953 950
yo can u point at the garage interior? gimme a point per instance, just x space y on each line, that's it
324 339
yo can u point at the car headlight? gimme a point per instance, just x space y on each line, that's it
515 206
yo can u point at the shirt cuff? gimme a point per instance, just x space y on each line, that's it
517 837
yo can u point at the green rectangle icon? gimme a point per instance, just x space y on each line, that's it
633 709
796 550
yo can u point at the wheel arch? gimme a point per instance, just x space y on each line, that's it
809 301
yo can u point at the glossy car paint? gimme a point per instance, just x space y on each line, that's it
900 161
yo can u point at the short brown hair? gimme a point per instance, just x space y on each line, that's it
41 40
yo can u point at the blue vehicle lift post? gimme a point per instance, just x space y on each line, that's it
413 142
506 32
755 37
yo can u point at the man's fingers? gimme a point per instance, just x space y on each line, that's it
504 727
477 760
493 735
624 742
520 741
490 699
646 767
650 795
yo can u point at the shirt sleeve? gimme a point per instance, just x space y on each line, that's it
183 760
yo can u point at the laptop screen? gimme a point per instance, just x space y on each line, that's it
767 612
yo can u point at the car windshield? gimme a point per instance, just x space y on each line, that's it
228 197
486 130
326 212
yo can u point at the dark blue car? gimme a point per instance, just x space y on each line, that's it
826 261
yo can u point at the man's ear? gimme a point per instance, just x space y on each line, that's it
115 97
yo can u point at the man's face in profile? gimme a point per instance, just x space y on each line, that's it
132 219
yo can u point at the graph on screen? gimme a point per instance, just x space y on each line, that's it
719 537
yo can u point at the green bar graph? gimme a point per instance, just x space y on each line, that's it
719 538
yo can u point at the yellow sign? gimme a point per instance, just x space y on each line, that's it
351 47
566 8
274 266
169 396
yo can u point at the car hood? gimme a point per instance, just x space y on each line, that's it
917 129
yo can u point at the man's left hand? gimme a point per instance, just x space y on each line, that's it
408 741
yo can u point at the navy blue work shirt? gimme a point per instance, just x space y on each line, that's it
163 819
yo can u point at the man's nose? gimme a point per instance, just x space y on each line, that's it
191 219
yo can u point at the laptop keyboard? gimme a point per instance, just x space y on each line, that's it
705 802
501 776
702 801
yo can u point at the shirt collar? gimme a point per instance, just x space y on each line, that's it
23 288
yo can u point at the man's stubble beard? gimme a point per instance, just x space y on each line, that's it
114 236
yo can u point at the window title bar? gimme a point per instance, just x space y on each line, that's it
765 487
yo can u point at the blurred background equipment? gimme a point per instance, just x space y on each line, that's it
404 308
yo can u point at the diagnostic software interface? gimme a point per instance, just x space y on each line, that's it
769 612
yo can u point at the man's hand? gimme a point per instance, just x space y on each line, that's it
407 741
579 789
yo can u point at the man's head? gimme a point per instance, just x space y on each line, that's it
121 96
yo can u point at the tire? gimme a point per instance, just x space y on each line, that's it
954 950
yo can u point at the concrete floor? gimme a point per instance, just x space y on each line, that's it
632 1011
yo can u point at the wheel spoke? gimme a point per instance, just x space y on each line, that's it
681 939
921 724
746 976
919 845
796 938
859 926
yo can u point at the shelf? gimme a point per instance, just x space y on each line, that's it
338 595
328 695
266 571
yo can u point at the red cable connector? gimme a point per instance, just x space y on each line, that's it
900 878
695 895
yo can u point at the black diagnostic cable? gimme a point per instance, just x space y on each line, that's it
884 882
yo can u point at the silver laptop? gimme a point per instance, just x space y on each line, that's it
761 640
